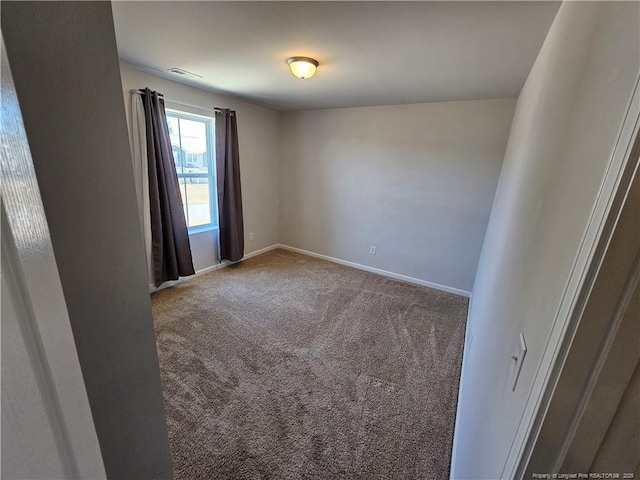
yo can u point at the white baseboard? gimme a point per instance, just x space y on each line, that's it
468 340
385 273
217 266
262 250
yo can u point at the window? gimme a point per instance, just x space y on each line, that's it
192 146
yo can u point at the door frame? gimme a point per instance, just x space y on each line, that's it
30 274
604 216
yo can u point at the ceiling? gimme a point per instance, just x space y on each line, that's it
370 53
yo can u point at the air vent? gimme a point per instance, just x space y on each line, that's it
179 71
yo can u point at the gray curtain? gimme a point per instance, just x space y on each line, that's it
229 193
170 246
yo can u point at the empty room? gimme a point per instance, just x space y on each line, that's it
320 240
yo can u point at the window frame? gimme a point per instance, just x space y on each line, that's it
211 162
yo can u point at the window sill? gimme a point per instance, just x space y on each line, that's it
202 228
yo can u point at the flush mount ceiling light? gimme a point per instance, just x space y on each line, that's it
302 67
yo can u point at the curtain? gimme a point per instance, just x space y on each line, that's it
229 193
171 251
138 141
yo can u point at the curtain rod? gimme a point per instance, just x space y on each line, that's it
216 109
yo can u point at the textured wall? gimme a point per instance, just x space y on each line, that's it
564 131
597 379
417 181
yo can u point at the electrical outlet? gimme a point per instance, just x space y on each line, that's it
372 249
251 237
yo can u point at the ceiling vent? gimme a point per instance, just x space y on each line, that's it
184 73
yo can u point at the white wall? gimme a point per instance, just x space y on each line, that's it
42 393
600 407
416 180
258 139
64 62
565 126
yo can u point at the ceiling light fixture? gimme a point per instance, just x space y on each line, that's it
302 67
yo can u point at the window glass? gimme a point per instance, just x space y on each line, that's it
183 194
191 141
199 196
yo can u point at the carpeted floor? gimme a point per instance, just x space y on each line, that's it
289 367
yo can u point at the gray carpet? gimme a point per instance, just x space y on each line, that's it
289 367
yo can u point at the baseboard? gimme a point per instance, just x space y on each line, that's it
385 273
468 341
226 263
261 251
217 266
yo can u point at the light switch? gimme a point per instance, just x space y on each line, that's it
518 358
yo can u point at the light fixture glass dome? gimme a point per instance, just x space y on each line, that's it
302 67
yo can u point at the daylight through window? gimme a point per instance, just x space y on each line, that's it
192 146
